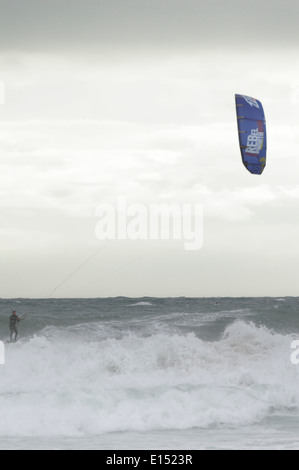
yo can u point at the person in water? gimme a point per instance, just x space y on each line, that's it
13 321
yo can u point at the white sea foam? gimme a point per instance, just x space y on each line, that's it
140 304
61 385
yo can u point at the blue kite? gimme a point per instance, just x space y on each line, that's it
252 133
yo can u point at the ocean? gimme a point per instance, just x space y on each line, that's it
150 373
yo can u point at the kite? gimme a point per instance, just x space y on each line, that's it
252 133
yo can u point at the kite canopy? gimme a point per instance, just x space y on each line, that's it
252 133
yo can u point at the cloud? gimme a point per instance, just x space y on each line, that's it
70 166
236 204
192 88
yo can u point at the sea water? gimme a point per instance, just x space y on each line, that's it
150 373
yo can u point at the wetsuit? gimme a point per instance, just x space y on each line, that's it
13 321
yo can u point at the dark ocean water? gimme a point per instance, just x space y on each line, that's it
150 373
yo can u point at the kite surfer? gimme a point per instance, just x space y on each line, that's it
13 321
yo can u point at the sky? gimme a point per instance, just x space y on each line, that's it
133 100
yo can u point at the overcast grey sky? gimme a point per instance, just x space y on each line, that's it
135 99
58 25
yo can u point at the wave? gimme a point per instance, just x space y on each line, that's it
59 384
140 304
